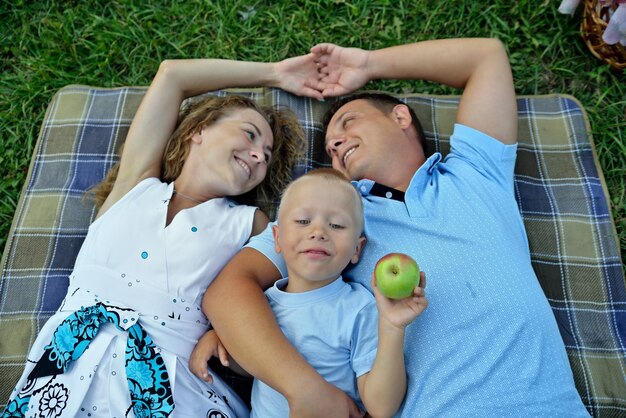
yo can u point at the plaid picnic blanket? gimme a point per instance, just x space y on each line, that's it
559 187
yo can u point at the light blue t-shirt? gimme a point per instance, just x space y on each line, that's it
488 344
333 327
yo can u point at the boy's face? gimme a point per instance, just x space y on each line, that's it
318 232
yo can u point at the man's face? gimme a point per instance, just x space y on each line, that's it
362 141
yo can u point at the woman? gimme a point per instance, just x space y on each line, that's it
120 343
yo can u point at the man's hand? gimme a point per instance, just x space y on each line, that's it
300 76
342 70
324 400
400 312
209 345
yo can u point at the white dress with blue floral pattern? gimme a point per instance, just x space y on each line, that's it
150 274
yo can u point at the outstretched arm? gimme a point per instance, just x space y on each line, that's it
177 80
479 66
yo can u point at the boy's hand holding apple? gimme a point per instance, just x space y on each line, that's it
398 287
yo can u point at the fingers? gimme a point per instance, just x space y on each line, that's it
323 48
311 91
354 411
422 280
322 60
419 300
200 368
375 290
419 291
222 354
334 91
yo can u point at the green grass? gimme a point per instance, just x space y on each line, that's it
46 45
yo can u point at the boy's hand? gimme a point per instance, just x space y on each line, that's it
209 345
399 313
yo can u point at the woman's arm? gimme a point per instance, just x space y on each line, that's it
259 223
177 80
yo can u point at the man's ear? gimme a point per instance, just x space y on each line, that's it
359 247
275 234
402 115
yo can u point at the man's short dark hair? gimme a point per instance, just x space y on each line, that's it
383 102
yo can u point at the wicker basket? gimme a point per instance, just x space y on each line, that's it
594 23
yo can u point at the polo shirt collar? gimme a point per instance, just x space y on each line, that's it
412 197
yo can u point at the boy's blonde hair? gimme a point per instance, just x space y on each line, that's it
334 177
289 141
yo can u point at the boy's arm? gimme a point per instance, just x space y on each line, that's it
383 388
479 66
241 315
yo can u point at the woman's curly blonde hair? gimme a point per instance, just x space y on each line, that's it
289 142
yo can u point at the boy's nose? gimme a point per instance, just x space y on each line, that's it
317 233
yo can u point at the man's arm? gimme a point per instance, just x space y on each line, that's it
242 317
479 66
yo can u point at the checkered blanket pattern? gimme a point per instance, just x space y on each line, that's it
558 185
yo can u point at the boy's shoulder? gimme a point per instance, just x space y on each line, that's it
357 296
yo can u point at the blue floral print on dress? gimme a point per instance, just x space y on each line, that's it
147 377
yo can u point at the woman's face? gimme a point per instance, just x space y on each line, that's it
235 151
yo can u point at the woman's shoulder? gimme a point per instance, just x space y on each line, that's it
147 185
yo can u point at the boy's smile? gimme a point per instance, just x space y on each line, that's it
319 231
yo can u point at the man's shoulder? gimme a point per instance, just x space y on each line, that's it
465 138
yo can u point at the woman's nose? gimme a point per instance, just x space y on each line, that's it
257 155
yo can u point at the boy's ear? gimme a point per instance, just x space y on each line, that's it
275 232
359 247
402 115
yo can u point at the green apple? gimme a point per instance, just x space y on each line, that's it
397 275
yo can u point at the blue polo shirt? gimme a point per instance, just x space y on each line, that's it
488 344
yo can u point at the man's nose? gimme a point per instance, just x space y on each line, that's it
336 142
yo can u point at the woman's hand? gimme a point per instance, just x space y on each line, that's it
300 76
209 345
342 70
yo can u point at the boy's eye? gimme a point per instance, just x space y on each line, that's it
337 226
302 221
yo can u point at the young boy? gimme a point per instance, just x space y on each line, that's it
329 321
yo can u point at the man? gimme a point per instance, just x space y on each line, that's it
488 345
